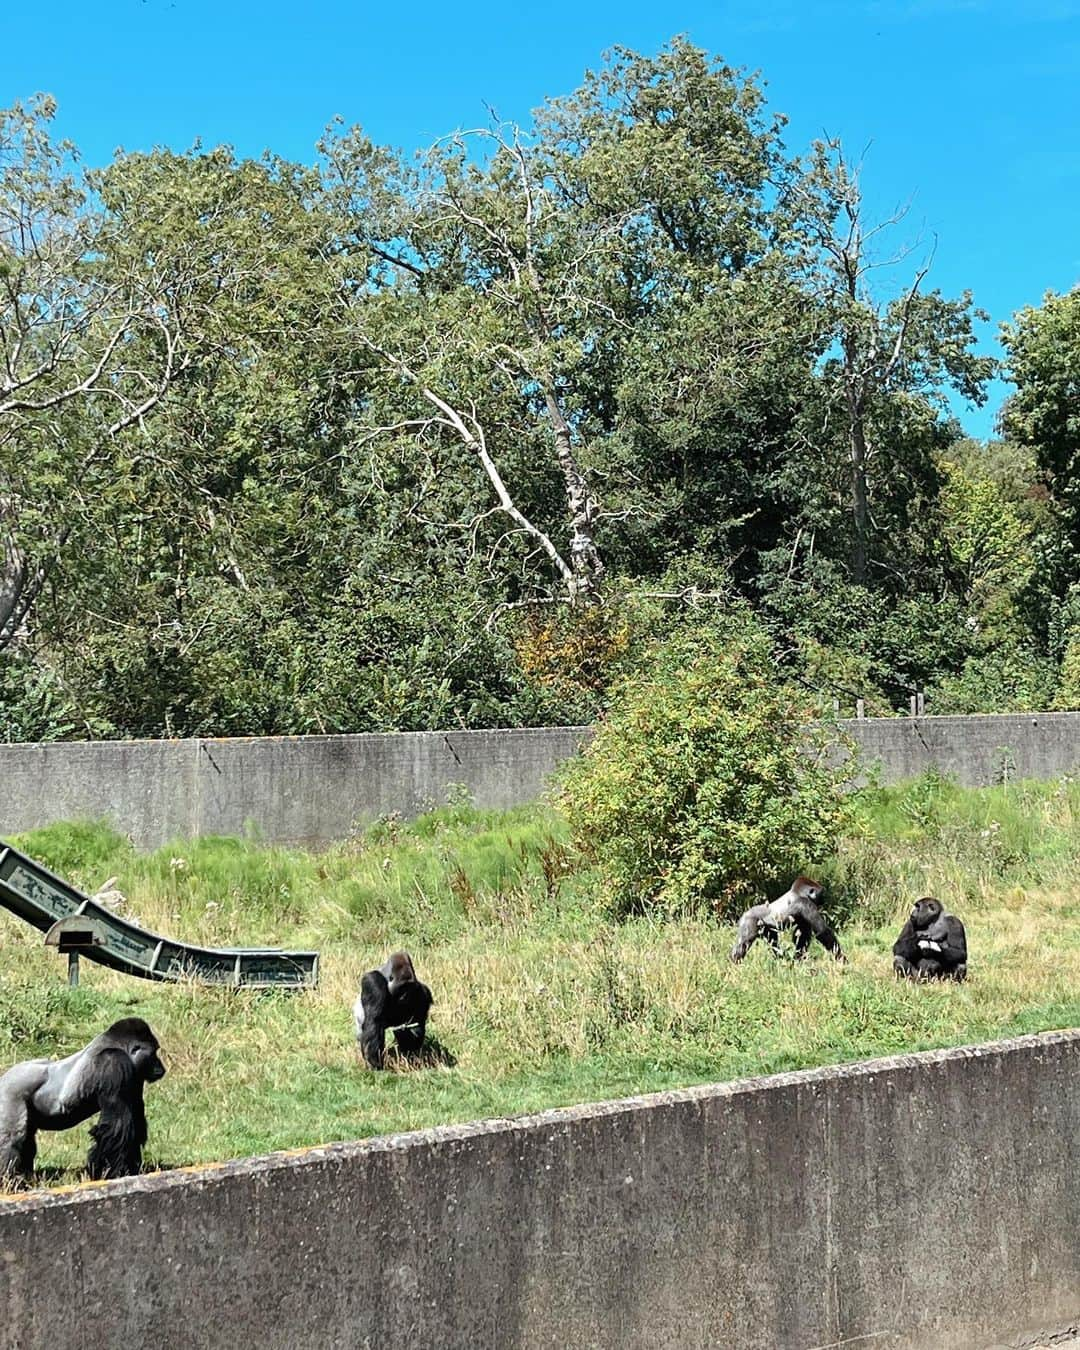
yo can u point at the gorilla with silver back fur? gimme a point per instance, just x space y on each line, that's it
391 998
797 908
54 1094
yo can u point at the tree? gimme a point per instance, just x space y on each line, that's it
532 283
90 343
489 283
1043 361
989 543
891 363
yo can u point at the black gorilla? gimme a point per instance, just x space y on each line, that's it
391 998
797 908
932 944
50 1094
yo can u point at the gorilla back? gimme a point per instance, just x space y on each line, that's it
107 1076
797 908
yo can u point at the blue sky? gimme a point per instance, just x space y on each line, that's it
970 108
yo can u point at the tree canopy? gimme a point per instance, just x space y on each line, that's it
390 440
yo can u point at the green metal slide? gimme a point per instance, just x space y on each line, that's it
50 904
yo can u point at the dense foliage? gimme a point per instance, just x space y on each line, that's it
708 782
370 442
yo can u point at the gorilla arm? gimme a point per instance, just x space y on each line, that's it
120 1132
809 919
755 923
412 1003
17 1142
370 1015
906 947
948 939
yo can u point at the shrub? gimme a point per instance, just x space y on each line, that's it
1007 678
708 781
1067 695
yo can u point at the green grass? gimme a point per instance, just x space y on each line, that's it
540 1001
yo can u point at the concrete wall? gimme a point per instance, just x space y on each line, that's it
315 789
924 1202
292 789
977 751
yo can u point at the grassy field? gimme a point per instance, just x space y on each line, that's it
540 1001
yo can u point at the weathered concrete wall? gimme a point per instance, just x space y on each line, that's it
977 751
925 1202
315 789
292 789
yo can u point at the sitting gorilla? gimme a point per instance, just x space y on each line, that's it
797 908
391 998
54 1094
932 944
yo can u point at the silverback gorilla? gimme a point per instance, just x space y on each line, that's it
932 944
55 1094
797 908
391 998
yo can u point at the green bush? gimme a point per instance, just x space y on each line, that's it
1010 677
1067 696
708 781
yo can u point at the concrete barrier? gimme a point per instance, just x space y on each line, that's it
291 789
923 1202
316 789
976 751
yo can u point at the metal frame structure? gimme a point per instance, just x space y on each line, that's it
40 898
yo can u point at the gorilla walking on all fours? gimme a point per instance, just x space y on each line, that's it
391 998
54 1094
797 908
932 944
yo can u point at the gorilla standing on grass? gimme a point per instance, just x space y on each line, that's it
55 1094
932 944
391 998
797 908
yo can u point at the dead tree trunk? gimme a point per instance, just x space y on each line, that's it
858 451
585 561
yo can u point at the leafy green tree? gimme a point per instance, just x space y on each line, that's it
1067 694
889 366
1043 361
590 310
989 544
1007 677
91 340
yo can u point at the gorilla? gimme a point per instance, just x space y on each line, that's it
55 1094
932 944
797 908
391 998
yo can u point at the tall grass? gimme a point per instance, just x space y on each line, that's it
540 1000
